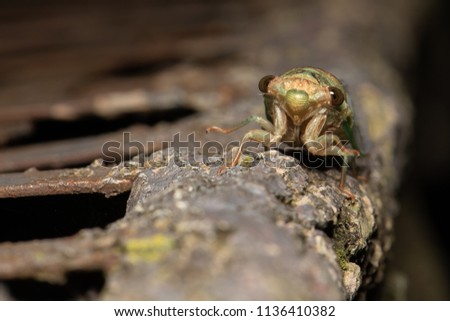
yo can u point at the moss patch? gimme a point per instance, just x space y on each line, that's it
149 249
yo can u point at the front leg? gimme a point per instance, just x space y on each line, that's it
259 135
330 145
269 134
265 124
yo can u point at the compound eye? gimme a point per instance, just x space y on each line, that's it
264 83
337 97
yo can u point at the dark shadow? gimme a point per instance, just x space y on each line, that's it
140 68
51 130
420 259
79 285
45 217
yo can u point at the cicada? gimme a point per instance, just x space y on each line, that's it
308 107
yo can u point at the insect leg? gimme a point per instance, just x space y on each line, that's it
264 123
330 145
257 135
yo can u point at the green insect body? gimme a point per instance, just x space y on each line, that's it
308 107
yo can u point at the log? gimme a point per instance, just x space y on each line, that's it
274 230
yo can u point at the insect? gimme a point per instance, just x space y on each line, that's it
309 107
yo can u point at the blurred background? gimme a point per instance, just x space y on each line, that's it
67 67
422 244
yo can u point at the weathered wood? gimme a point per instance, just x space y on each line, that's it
277 230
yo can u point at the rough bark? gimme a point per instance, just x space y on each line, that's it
277 230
